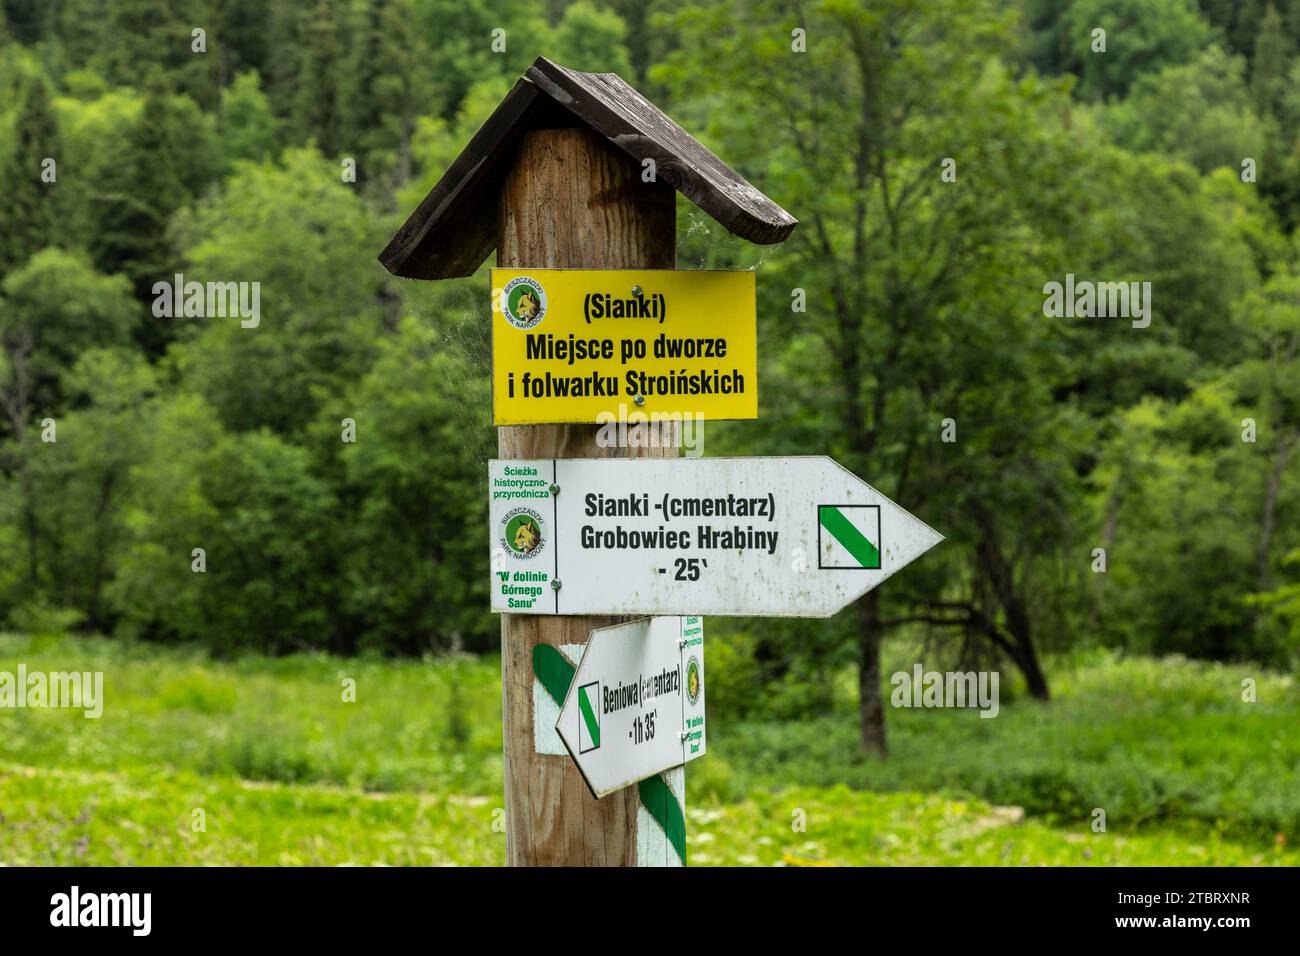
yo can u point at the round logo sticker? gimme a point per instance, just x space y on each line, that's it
694 682
522 533
523 302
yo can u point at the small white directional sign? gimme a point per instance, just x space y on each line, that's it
777 537
636 704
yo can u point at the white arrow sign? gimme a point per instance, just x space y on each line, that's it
776 537
636 704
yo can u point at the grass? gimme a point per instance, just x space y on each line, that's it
267 719
136 818
285 772
1151 742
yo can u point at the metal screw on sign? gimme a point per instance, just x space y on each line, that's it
555 584
640 400
555 489
636 291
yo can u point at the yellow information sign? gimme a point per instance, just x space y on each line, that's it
600 346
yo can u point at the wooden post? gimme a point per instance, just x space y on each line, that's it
569 200
553 179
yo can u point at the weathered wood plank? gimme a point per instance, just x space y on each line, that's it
569 200
638 127
454 229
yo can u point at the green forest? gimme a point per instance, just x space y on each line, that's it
1120 494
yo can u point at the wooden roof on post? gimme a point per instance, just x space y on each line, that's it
455 228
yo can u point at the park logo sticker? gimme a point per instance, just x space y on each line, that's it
523 301
693 682
521 534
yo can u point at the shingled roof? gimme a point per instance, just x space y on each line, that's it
455 228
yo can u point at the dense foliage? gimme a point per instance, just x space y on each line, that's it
191 479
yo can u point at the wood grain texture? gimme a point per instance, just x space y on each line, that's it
568 200
455 227
638 127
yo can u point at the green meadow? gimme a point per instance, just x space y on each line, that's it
279 770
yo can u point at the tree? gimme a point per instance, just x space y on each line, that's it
308 242
901 268
413 563
249 129
29 206
242 38
52 310
1201 111
1283 604
464 55
1141 36
286 23
1239 21
262 525
315 116
385 86
1204 493
139 161
55 307
588 38
81 483
1181 522
129 41
160 589
27 20
1273 52
1269 385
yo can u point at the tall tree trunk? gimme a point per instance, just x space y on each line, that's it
1002 579
1026 659
871 700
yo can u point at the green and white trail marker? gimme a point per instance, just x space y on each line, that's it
636 705
773 537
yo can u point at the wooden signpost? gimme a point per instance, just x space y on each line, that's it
572 171
768 537
572 180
